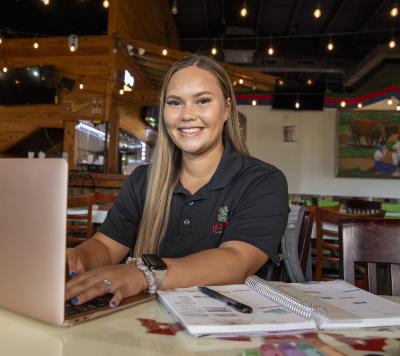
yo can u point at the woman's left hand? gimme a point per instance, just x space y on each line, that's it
124 280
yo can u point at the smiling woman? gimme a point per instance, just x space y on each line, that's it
205 211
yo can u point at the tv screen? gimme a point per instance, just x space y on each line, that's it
310 97
29 85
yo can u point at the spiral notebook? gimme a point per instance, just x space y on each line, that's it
280 308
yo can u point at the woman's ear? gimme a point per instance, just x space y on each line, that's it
228 108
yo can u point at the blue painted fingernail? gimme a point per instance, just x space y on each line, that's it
113 304
72 274
75 300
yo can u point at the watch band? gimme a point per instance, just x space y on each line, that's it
157 266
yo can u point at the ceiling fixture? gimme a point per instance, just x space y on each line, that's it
73 43
241 81
81 86
281 82
392 43
309 82
394 10
270 51
390 102
174 8
214 50
164 52
36 45
297 104
254 102
5 69
317 11
398 107
46 2
121 92
343 104
243 11
359 105
330 46
106 4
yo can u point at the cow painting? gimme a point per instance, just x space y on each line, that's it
373 131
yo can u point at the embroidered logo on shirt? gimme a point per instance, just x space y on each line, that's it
222 218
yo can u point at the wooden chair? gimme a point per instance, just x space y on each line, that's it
104 198
327 244
79 223
371 241
359 206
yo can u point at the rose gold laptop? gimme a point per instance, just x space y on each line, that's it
33 202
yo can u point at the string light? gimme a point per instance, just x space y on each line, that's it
5 69
243 11
359 105
281 82
174 8
164 52
241 81
234 83
297 104
394 10
81 86
392 43
254 102
398 107
309 82
1 40
390 102
46 2
106 4
317 11
270 51
214 50
343 104
121 92
36 45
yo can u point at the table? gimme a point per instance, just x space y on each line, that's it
149 330
98 213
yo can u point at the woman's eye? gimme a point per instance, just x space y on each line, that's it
203 101
173 102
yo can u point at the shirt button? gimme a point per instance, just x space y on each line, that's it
191 203
186 221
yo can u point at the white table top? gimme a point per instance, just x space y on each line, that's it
148 329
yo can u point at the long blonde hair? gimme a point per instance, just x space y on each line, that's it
164 168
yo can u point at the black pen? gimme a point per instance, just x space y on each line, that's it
229 301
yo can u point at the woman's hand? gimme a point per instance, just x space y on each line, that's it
74 262
126 280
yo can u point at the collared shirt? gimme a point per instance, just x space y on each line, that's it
245 200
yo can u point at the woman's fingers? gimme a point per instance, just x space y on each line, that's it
117 298
75 265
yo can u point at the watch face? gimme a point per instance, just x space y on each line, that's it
154 262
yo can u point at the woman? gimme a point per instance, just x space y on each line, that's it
210 211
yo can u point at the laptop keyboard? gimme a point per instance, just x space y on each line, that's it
100 302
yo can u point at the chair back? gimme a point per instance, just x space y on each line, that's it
327 244
104 198
79 218
370 241
359 206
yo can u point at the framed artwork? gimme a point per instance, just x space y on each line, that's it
368 144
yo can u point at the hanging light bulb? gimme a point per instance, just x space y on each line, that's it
5 69
392 43
121 92
390 102
174 8
81 86
343 104
297 104
309 82
214 51
359 105
330 45
317 11
1 40
106 4
281 82
394 10
254 87
271 51
36 45
254 102
46 2
398 107
243 11
164 52
73 43
241 81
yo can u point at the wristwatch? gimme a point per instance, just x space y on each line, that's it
157 266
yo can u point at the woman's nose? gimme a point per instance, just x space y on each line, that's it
188 112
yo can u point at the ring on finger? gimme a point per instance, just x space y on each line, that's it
106 284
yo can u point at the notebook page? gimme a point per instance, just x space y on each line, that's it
348 306
203 315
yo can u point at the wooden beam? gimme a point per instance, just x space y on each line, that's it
334 16
138 97
295 14
69 142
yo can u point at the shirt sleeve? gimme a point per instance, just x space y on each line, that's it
122 221
260 214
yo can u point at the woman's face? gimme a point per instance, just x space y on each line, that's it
195 111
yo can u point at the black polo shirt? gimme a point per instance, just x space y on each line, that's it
246 200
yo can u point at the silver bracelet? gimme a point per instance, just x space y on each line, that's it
148 273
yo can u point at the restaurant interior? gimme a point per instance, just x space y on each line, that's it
317 85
